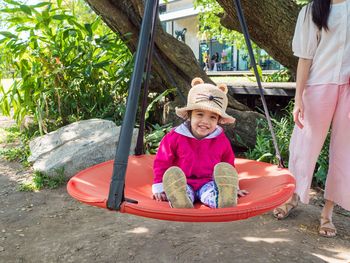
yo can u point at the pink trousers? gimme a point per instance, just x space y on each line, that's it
324 106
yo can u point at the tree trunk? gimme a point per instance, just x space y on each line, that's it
174 64
270 23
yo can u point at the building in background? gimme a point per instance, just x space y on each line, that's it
180 19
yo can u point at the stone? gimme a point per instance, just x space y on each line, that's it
76 146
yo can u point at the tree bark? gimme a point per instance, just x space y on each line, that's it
174 64
270 24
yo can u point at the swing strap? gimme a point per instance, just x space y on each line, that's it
140 137
139 149
117 185
261 91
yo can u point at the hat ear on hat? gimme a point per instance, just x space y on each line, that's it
196 81
223 87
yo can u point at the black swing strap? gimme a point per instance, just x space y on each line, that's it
139 144
139 149
116 190
261 91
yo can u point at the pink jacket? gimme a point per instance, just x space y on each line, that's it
196 158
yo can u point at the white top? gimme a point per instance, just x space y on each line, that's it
329 50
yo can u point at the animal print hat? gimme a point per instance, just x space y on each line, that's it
205 96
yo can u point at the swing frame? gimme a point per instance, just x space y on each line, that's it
144 52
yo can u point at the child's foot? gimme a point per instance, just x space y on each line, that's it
174 183
226 180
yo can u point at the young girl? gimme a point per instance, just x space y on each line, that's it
322 43
195 160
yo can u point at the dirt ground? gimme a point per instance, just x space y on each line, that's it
50 226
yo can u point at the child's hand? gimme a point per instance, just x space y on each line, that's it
242 192
160 196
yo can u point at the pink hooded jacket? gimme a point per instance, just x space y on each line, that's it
196 158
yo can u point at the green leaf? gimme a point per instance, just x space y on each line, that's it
8 34
12 2
41 4
95 24
88 29
158 98
264 157
17 20
9 10
26 9
73 21
60 17
102 64
23 28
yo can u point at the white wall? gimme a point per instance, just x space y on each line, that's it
178 5
191 23
191 38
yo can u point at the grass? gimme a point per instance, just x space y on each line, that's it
19 148
41 181
9 135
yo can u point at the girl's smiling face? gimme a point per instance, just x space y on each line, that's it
203 123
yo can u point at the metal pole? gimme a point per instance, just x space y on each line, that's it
116 190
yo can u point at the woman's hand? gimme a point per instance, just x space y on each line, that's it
160 196
298 113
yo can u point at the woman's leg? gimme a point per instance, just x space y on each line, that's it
319 106
306 143
338 178
327 228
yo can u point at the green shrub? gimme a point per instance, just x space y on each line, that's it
264 149
283 127
64 69
154 137
282 75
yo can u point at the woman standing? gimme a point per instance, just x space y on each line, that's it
322 99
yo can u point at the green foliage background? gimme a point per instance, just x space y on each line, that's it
64 69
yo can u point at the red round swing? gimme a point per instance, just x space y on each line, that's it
268 186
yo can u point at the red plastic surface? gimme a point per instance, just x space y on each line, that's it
268 186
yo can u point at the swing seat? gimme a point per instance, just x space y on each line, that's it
268 186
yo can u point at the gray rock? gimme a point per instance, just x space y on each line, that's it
75 147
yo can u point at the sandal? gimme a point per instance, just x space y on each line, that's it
327 229
174 183
284 210
226 180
